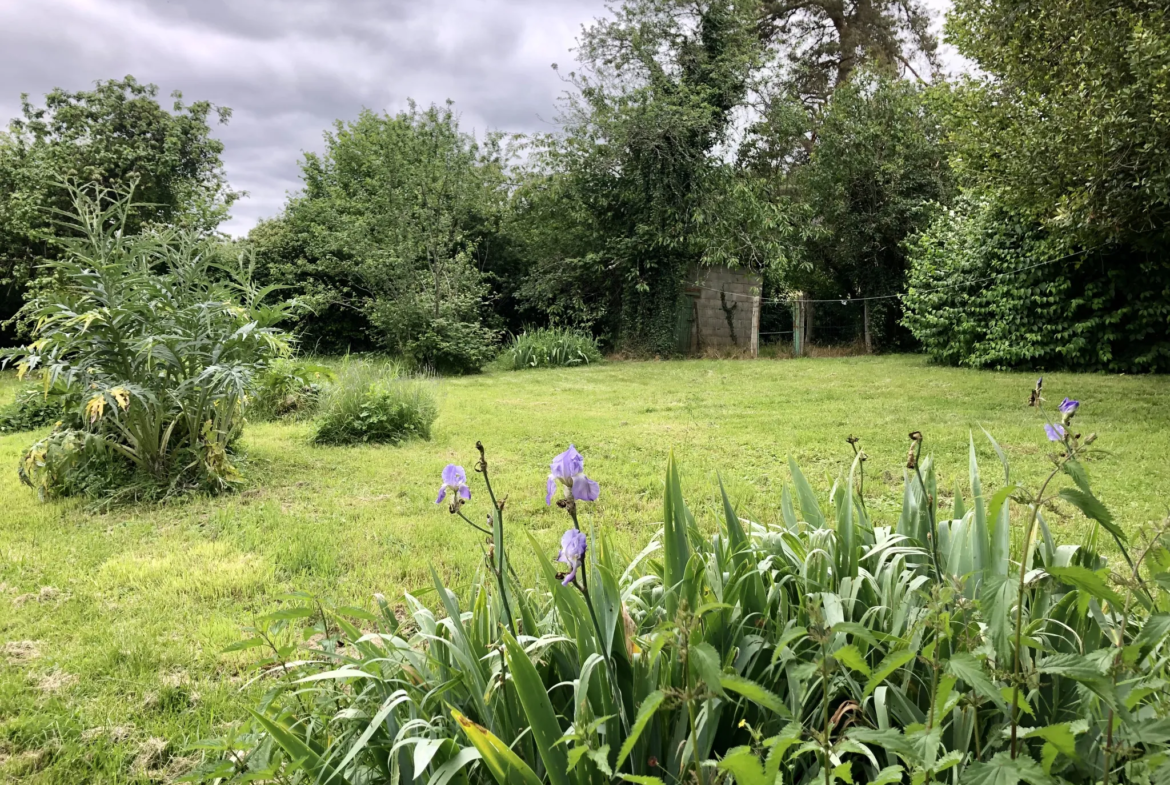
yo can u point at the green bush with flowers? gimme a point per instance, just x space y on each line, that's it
834 647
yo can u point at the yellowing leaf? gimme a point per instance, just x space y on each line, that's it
95 408
504 764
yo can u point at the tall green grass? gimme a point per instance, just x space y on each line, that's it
376 401
548 347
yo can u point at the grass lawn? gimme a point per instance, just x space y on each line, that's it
112 624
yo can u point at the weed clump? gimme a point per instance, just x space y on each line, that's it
376 402
549 347
32 409
288 389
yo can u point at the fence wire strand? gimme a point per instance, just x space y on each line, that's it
897 295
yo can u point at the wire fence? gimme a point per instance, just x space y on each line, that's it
848 300
834 323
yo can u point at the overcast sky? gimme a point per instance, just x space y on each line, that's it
289 68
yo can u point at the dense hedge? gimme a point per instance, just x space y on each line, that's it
981 294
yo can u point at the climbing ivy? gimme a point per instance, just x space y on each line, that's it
988 289
638 162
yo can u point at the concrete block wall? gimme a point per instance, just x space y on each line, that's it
741 292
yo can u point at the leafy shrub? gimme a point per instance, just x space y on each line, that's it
454 342
33 408
827 647
981 295
76 462
550 346
288 388
162 338
376 402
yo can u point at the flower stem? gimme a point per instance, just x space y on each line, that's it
501 568
610 666
825 745
860 476
1020 608
472 525
929 512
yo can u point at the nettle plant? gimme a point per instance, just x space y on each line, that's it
966 647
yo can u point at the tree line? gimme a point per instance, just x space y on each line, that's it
1015 217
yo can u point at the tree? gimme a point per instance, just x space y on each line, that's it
114 136
821 43
1071 124
875 178
389 240
989 287
639 160
1058 257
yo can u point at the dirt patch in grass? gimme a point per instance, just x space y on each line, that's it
56 681
21 651
155 762
46 594
115 733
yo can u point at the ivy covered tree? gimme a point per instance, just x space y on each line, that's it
391 241
115 135
639 161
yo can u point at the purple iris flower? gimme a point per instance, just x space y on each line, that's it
573 545
1068 407
455 481
1055 432
568 469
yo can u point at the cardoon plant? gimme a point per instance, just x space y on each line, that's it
158 337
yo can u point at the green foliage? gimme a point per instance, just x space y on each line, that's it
875 177
1070 126
391 241
158 344
550 347
375 401
34 408
330 520
636 176
288 388
75 462
116 134
451 342
1062 144
988 289
797 651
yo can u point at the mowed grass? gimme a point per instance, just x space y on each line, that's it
113 623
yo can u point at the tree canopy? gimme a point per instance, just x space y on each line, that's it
115 135
1071 124
1058 255
638 158
391 242
814 142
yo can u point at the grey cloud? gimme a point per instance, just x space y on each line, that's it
290 69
